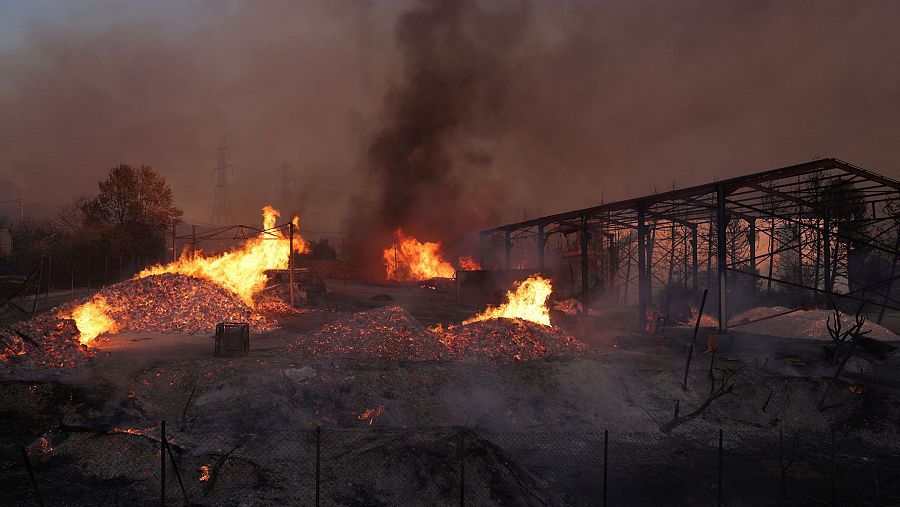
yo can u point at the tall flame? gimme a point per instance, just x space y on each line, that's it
408 260
92 319
528 301
241 271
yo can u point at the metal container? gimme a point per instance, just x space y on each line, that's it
232 339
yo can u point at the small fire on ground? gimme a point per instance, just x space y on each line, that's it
369 415
241 271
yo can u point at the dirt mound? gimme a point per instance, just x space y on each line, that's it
390 333
506 340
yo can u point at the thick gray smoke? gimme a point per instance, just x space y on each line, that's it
428 114
428 175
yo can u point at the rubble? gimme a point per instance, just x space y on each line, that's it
393 333
506 340
43 342
389 333
173 303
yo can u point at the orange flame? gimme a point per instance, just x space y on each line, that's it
92 319
409 260
241 271
527 302
204 473
467 263
370 414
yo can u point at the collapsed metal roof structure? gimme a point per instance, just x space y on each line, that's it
804 227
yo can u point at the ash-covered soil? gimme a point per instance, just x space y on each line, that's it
393 427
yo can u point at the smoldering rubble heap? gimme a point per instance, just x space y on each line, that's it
46 341
390 333
507 340
173 303
393 333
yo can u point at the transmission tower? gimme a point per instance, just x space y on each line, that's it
222 214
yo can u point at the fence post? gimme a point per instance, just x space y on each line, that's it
162 463
462 468
833 470
605 462
720 469
318 457
31 476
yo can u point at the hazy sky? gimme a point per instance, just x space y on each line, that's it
587 100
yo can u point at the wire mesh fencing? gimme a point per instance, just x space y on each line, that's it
462 466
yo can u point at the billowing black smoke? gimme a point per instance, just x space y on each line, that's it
427 175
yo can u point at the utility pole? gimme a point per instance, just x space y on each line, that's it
222 214
291 262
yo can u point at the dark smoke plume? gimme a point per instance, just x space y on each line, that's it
425 172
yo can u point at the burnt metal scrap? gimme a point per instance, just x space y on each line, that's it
808 228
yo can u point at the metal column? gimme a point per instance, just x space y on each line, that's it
694 260
751 238
722 256
826 254
541 244
643 279
507 244
585 237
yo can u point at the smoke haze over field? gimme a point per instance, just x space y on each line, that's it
434 115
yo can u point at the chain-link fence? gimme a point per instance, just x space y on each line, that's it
460 466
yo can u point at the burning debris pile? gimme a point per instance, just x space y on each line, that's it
43 342
390 333
166 303
507 340
518 330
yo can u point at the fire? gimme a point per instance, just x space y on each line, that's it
92 319
241 271
467 263
527 302
409 260
204 473
370 414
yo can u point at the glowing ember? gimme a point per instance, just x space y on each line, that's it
204 473
92 319
370 414
409 260
241 271
527 302
469 264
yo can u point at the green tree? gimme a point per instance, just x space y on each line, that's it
134 209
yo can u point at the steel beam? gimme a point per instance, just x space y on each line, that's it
721 256
585 279
643 279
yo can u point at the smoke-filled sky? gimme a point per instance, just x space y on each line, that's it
489 110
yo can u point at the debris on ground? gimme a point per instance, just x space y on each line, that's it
43 342
506 340
390 333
